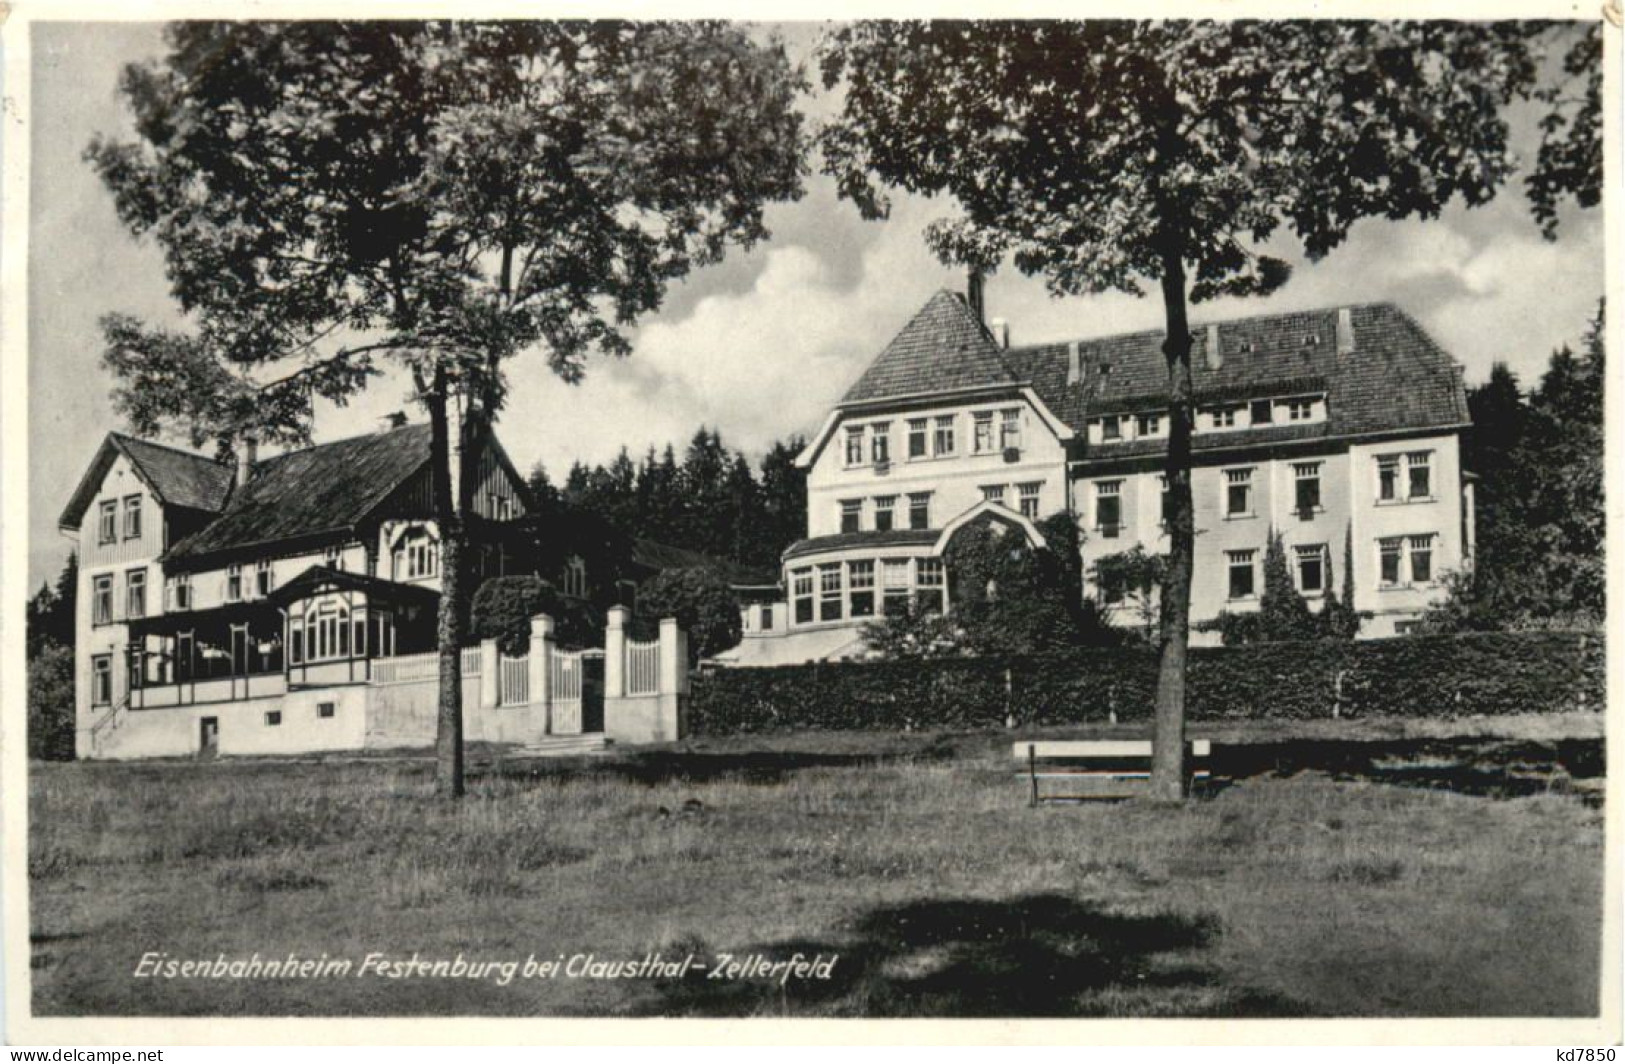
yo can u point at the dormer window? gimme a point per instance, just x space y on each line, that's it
1263 412
1148 425
1300 409
1111 428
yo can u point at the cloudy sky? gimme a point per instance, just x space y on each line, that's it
759 346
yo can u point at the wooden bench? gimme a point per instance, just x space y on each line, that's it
1096 769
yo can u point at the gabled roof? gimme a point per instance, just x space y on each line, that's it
319 578
1395 378
313 492
943 348
176 477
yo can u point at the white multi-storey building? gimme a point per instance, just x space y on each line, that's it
1338 428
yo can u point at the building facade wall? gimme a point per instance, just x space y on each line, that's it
115 562
954 481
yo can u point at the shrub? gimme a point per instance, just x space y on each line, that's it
1416 676
50 702
703 603
503 607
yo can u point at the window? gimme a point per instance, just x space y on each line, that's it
993 493
135 593
107 522
262 577
575 577
883 512
1167 508
829 592
851 515
1029 500
327 632
1421 559
234 583
326 710
1407 627
1263 413
1111 428
1238 492
180 592
943 441
916 437
1223 417
854 445
861 583
1300 409
880 444
416 555
894 586
919 510
132 517
1241 573
273 718
1010 430
932 585
333 558
1306 486
101 609
982 432
1108 507
1149 425
1419 474
1311 568
1387 477
101 680
801 591
1390 555
767 619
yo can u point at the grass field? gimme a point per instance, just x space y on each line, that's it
1352 870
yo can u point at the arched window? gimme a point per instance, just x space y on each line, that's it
417 555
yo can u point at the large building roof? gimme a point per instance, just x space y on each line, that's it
319 490
943 348
176 477
1393 378
1379 370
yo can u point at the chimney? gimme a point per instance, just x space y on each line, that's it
248 452
973 294
1345 331
1001 333
1074 364
1215 353
391 422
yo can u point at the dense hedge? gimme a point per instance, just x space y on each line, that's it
1416 676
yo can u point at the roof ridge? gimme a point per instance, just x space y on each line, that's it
126 437
1023 349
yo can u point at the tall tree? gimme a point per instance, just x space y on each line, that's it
440 195
1106 155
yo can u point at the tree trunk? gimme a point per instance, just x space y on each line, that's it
1168 741
448 745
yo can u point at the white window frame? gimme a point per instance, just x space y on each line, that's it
1393 462
1240 477
919 431
234 582
943 441
803 588
135 579
1030 494
852 447
101 679
831 590
1307 471
107 522
885 513
1318 554
1010 429
1422 460
1237 559
264 578
132 517
860 579
993 492
101 591
919 502
851 508
1103 490
880 443
982 434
